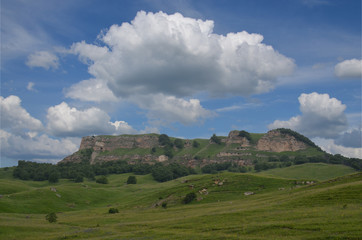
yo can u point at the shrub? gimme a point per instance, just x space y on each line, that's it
164 140
131 180
245 134
102 180
215 139
78 178
189 197
51 217
113 210
179 143
195 144
54 177
164 205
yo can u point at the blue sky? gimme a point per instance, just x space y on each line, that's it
185 68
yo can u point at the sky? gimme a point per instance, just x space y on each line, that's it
185 68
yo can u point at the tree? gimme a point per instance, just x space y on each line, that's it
215 139
102 180
245 134
113 210
54 177
51 217
164 140
189 197
131 180
195 144
78 178
179 143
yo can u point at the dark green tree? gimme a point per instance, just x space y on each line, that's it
189 197
215 139
179 143
102 180
195 144
54 177
51 217
131 180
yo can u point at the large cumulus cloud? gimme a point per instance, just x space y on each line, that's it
64 120
178 57
322 116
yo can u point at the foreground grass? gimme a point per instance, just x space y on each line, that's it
279 209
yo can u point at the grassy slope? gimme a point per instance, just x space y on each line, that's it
327 210
313 171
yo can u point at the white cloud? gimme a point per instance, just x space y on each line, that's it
349 69
30 86
330 146
322 116
66 121
15 117
16 146
166 109
175 56
94 90
43 59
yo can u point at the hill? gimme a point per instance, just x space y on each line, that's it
240 147
311 171
244 206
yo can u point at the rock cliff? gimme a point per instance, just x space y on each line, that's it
276 141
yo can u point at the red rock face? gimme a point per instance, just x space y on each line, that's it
274 141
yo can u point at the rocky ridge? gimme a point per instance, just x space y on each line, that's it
138 148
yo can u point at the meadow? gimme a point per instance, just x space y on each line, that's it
298 202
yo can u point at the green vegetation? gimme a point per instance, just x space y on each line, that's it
102 180
215 139
51 217
314 171
113 210
280 208
245 134
132 180
189 198
298 136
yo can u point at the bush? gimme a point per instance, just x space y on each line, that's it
113 210
78 178
164 140
179 143
245 134
215 139
164 205
195 144
102 180
131 180
54 177
51 217
189 197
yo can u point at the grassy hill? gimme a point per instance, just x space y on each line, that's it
312 171
280 208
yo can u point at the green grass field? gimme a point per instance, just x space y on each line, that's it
280 208
312 171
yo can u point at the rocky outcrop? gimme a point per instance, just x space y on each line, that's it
110 143
275 141
234 137
239 147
